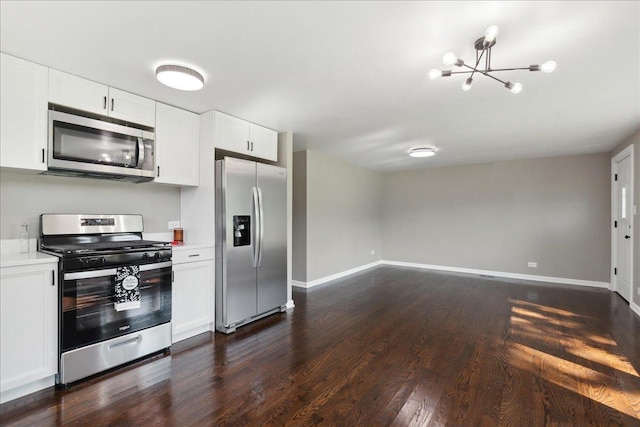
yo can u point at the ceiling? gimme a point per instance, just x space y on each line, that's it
351 78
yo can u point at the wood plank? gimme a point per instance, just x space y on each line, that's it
389 346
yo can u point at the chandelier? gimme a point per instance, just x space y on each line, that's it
483 48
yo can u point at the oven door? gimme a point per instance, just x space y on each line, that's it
89 307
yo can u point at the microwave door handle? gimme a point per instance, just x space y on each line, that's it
140 153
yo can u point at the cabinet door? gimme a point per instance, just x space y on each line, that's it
264 142
23 114
231 133
131 108
76 92
177 146
28 325
192 302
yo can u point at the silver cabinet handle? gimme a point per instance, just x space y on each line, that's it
192 255
112 102
104 107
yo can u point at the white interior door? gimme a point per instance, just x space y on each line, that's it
623 211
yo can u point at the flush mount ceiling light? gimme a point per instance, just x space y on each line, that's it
483 48
179 77
422 152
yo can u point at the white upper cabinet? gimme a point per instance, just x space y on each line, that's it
240 136
72 91
264 142
23 114
86 95
177 146
132 108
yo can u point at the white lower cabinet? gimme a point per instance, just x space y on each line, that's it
28 329
192 304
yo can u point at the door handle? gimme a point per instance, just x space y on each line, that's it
112 102
627 237
261 224
140 148
255 227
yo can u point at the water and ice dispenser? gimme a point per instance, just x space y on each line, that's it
241 230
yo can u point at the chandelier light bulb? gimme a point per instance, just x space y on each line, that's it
434 74
548 67
491 33
449 58
467 84
513 87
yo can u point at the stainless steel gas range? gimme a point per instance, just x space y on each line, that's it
115 291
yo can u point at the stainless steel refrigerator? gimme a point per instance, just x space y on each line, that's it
251 242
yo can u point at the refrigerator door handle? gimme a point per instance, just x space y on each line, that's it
255 228
260 226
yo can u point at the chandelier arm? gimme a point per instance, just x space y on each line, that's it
511 69
494 78
477 62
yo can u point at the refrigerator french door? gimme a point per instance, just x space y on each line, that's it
251 242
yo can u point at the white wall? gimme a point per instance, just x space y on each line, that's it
499 216
494 216
342 217
23 197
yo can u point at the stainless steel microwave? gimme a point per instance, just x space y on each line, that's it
86 147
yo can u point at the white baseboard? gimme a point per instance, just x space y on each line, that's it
290 304
548 279
23 390
635 308
325 279
535 278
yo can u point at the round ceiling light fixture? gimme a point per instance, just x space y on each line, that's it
422 152
179 77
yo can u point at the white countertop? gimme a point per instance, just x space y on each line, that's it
12 259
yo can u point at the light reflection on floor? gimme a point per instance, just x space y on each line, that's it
590 359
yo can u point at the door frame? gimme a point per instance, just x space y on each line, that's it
615 160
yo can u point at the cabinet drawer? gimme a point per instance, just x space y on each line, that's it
183 255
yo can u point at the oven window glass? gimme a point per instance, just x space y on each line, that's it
89 313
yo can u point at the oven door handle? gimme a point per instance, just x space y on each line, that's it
112 271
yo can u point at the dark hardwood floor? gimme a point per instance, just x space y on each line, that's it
389 346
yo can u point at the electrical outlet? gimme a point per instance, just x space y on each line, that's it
638 291
372 252
173 224
532 264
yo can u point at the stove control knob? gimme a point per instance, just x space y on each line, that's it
157 255
103 260
145 255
